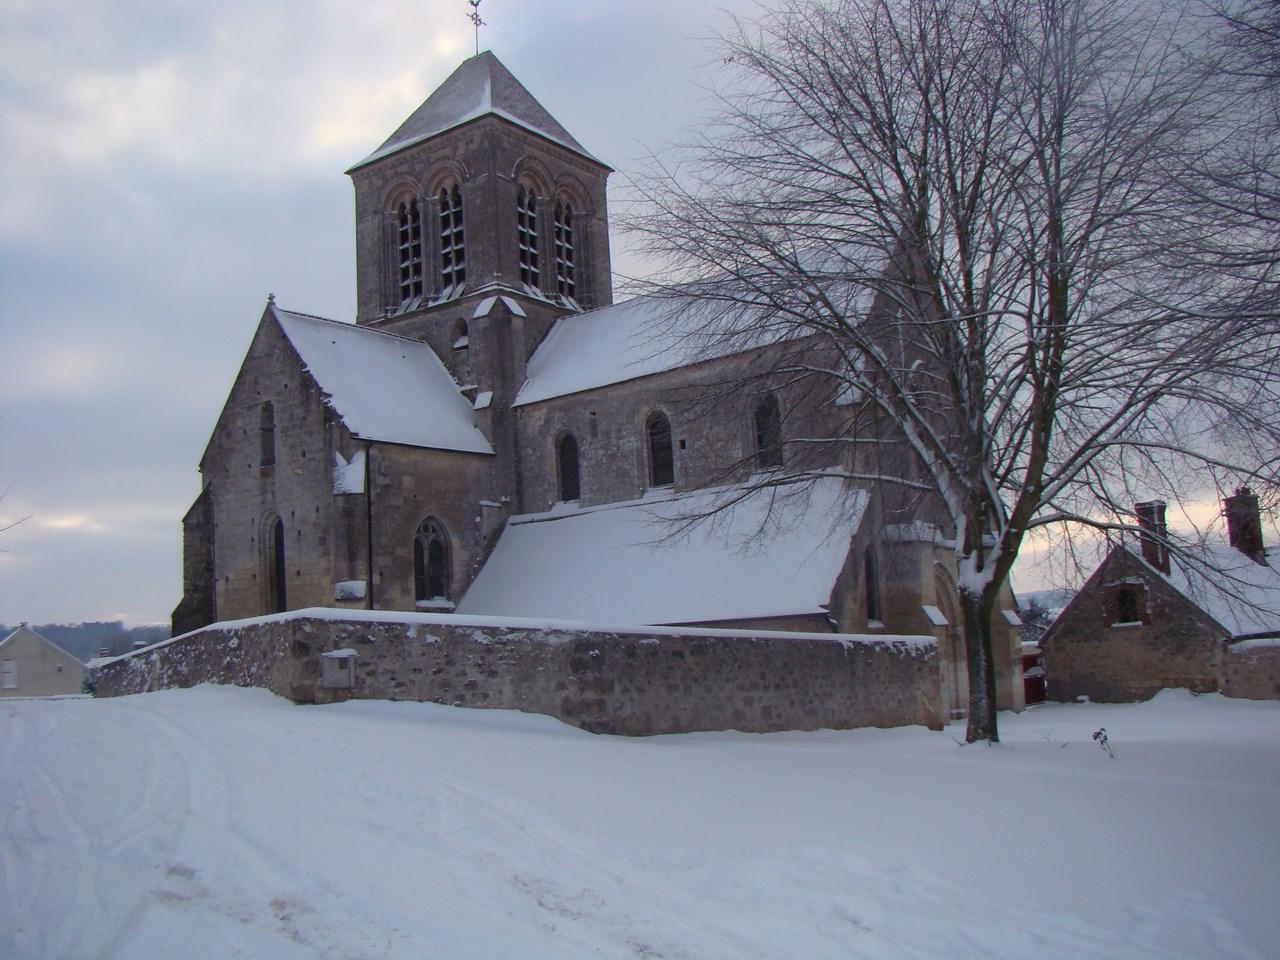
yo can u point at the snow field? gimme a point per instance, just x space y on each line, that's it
220 822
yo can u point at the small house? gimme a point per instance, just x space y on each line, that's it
32 666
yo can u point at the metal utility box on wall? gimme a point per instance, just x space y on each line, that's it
338 669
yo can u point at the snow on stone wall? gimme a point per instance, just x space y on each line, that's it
622 681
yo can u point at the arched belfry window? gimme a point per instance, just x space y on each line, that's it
453 249
662 466
567 464
566 283
431 563
768 432
267 434
527 236
409 249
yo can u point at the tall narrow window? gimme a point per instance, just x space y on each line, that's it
430 562
527 237
267 435
453 251
409 249
567 458
662 467
277 571
566 284
768 430
871 583
10 675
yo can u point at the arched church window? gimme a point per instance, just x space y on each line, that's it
871 583
267 435
566 284
567 462
453 250
409 249
768 431
527 236
277 571
662 467
461 337
431 562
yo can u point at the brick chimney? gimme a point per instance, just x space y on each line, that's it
1153 534
1244 524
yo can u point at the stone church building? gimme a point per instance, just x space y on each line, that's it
495 436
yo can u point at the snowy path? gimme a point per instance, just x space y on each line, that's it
218 822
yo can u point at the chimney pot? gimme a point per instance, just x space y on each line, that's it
1153 535
1244 524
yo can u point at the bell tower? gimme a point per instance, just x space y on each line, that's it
480 194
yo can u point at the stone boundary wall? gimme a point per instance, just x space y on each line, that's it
632 680
1251 670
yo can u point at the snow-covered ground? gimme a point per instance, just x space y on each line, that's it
219 822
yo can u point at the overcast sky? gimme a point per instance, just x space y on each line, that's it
167 164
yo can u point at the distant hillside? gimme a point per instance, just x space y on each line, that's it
84 640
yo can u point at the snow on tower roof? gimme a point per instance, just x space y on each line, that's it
480 86
618 563
384 387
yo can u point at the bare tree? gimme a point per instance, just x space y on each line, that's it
965 217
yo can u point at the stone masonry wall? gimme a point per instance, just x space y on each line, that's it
650 681
1251 670
1174 644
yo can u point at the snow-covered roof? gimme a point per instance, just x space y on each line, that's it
625 341
1240 594
765 557
481 86
384 387
694 322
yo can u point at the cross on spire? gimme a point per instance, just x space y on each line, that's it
474 17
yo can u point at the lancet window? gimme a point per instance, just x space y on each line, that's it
453 250
527 237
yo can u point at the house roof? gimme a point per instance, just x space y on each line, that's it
768 556
481 86
1240 594
384 387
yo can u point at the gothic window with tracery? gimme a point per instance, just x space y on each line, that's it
430 562
566 283
409 249
453 250
527 237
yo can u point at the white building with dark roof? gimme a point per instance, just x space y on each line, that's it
493 435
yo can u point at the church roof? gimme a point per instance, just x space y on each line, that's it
768 556
384 387
624 341
481 86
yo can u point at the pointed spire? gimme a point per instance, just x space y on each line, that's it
481 86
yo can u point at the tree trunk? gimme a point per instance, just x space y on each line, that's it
975 611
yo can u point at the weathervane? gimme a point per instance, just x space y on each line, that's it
474 17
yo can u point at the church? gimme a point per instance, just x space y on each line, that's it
493 435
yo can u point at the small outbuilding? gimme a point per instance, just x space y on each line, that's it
1206 620
33 666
